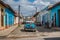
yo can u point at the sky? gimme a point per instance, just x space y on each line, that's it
28 7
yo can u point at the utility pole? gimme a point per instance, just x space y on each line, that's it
36 9
19 15
36 12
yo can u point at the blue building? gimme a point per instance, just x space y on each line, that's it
45 18
7 14
55 14
9 17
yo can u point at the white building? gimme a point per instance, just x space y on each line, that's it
40 15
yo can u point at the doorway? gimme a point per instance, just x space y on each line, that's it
2 20
2 17
59 17
55 20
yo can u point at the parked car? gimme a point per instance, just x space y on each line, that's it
30 25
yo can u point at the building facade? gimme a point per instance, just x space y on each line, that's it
2 15
8 16
55 14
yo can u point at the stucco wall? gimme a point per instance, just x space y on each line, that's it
9 17
17 19
53 11
1 6
38 19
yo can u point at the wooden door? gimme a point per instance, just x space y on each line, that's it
2 20
2 17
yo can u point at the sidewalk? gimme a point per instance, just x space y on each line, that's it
7 31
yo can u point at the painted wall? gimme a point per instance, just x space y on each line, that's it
0 16
45 17
9 17
1 6
38 18
53 11
17 19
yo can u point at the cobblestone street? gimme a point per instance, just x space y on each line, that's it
19 32
32 38
40 34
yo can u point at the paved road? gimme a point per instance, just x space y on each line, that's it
22 39
36 38
19 32
39 35
41 32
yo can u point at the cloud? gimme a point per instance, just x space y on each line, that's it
40 2
51 1
11 2
28 7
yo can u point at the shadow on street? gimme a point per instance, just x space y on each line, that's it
3 37
43 29
22 30
57 38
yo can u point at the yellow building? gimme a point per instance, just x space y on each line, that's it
1 15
